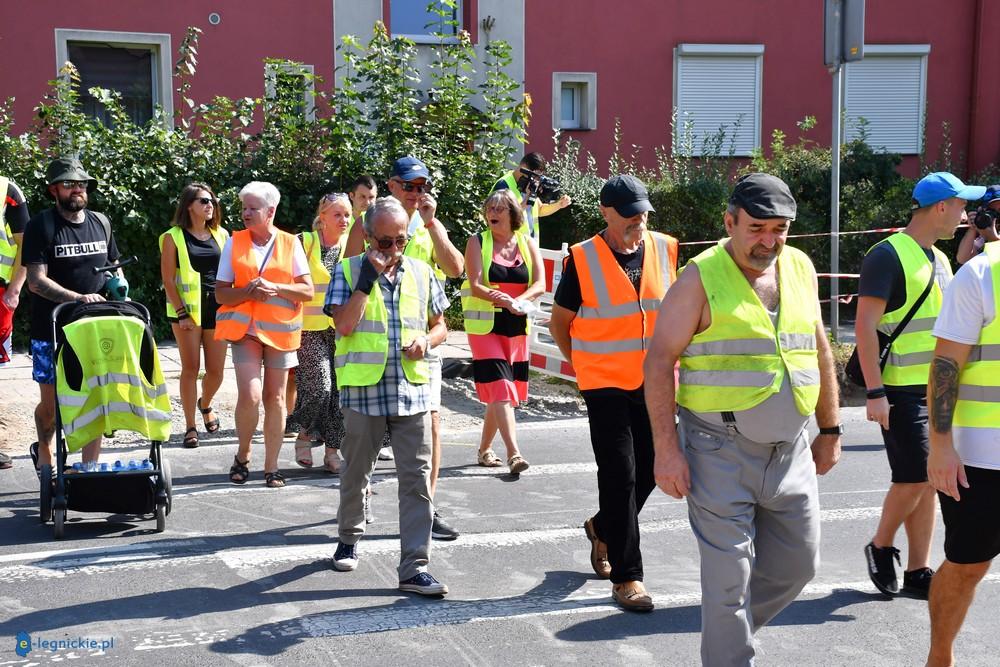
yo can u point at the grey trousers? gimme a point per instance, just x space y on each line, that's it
412 449
754 509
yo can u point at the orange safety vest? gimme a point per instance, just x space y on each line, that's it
277 322
613 327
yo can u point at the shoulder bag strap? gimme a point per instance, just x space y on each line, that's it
884 356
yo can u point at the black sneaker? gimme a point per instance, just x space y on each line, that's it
424 584
440 530
918 582
881 570
345 559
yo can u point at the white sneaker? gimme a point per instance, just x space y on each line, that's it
385 454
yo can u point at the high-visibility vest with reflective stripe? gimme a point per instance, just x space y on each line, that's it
8 248
277 321
614 325
313 318
979 382
187 280
909 361
740 360
113 392
479 312
421 245
532 224
361 357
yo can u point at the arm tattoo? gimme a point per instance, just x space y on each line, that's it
944 392
45 287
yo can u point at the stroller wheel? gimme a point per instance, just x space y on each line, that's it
59 521
161 518
45 494
167 483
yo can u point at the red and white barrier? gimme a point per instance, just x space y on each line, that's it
544 355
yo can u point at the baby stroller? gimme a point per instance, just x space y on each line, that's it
108 378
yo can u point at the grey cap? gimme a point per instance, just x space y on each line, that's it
68 169
764 196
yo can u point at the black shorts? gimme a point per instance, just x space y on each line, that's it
209 308
972 525
906 440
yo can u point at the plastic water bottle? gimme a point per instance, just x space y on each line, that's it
118 466
146 464
91 466
77 467
132 465
104 467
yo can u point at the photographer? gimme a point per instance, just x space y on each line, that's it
538 194
983 228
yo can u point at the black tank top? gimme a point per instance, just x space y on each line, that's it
204 258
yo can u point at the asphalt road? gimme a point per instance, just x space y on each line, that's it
242 574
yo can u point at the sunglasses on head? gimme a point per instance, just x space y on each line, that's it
410 187
334 196
385 244
205 201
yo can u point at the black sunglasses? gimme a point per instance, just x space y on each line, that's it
410 187
385 244
205 201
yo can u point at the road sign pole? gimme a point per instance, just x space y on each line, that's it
838 75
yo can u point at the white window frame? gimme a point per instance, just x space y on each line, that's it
872 51
755 51
426 38
157 43
587 83
309 92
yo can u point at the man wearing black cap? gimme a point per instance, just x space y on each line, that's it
62 246
755 363
605 310
984 229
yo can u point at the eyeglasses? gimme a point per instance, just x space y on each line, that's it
410 187
206 201
334 196
385 244
69 185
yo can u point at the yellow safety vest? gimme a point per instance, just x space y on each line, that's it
740 359
361 357
8 247
536 208
113 391
421 246
979 382
313 318
909 361
187 280
479 312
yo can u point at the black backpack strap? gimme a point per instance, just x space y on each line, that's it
106 224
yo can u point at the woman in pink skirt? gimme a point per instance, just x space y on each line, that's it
505 276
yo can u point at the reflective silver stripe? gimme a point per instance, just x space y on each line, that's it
594 265
804 378
973 392
242 318
354 264
913 326
466 291
910 358
317 287
6 261
734 346
478 315
369 326
125 378
113 408
413 324
288 327
989 352
797 341
280 302
371 358
610 347
663 250
309 311
727 378
609 312
77 401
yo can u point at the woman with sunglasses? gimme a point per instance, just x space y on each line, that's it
317 414
189 258
505 277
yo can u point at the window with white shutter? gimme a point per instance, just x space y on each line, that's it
717 94
888 89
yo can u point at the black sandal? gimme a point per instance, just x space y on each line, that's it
191 438
274 480
211 425
239 473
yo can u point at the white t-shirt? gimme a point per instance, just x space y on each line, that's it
968 307
300 263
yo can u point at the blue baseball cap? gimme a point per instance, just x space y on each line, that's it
941 185
992 194
409 168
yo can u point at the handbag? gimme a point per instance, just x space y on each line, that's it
853 367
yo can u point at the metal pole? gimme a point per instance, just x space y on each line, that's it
835 204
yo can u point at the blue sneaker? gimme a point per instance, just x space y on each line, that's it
345 559
424 584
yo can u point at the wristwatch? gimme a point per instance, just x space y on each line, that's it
832 430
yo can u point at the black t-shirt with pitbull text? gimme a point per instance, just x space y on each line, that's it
70 256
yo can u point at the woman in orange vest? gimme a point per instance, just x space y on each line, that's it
262 282
317 415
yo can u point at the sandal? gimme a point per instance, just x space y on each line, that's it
517 464
331 461
274 480
239 473
211 425
303 452
489 459
191 438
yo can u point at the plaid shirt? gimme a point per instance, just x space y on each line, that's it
394 394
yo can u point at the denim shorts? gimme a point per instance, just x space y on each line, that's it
43 366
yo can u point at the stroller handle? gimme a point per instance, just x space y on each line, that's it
116 266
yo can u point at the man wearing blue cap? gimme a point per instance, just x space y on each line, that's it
982 228
902 282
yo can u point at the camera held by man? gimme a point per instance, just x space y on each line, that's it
983 226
